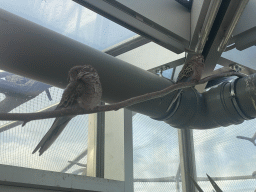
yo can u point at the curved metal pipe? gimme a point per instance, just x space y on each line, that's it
223 105
36 52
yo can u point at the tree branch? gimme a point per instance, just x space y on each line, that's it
115 106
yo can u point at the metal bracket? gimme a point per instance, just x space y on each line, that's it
234 101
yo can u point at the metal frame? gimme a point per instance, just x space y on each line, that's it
127 45
174 179
100 144
40 179
128 151
187 159
135 21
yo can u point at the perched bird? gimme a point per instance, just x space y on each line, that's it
248 138
191 71
83 91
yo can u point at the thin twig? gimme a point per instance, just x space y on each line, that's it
115 106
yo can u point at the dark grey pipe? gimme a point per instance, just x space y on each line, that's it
36 52
217 107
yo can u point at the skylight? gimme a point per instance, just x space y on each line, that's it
70 19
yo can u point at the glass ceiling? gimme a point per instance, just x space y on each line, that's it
70 19
245 57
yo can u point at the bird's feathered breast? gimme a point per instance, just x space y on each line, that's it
192 70
85 91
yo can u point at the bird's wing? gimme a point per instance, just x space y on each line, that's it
57 127
69 95
68 99
215 186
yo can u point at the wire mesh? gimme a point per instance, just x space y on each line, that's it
230 186
220 154
17 143
70 19
156 154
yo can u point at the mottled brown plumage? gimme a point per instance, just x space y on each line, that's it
191 71
84 90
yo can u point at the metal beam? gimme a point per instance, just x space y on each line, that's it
169 65
78 158
187 159
127 45
173 179
40 179
140 21
246 22
223 19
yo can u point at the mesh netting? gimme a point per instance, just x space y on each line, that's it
156 154
17 143
220 154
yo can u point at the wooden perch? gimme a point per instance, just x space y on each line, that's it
115 106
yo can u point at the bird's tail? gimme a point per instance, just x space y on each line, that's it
57 127
174 99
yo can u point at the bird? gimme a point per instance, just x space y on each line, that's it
83 91
252 139
191 71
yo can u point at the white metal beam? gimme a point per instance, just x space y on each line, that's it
168 14
40 179
118 162
171 29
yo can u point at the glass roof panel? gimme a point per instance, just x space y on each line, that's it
245 57
70 19
149 56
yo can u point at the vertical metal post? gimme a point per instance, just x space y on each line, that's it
92 145
100 144
178 179
128 151
119 148
187 159
96 145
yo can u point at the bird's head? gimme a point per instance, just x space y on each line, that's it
198 58
73 72
78 72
